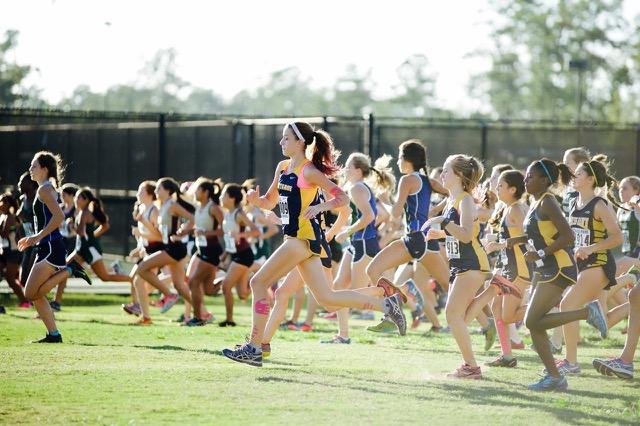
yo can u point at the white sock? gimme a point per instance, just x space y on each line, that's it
513 334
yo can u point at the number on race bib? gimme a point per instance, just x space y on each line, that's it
582 237
626 245
28 229
164 230
453 247
229 243
284 209
201 241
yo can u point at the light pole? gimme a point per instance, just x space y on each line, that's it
579 65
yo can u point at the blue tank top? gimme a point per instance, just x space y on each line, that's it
416 210
42 216
370 230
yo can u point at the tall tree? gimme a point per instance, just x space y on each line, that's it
352 92
13 92
286 92
535 42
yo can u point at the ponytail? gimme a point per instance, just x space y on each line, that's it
497 215
382 178
553 171
468 168
213 188
236 192
172 186
95 205
598 167
324 154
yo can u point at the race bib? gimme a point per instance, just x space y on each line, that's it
28 229
453 247
229 243
201 241
626 245
5 243
64 229
582 237
164 230
284 209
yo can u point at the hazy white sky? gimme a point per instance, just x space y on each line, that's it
231 45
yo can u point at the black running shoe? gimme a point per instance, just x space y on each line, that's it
393 309
55 306
2 310
194 322
50 339
245 354
78 271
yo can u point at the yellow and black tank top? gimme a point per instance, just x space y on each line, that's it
464 256
542 233
511 260
295 196
588 230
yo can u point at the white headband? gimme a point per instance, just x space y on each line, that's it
296 131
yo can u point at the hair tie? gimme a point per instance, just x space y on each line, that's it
592 172
546 171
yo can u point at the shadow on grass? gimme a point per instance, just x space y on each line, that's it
276 379
530 400
155 348
488 395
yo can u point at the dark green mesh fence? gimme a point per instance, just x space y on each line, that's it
114 152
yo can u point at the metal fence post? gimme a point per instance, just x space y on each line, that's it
234 154
162 146
484 142
370 150
128 185
252 151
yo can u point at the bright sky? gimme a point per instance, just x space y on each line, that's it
228 46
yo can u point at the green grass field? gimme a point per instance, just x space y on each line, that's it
107 372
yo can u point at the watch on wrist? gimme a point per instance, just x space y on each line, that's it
444 223
541 254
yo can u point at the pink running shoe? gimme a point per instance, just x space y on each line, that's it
505 287
466 372
25 305
306 327
390 289
169 301
332 316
